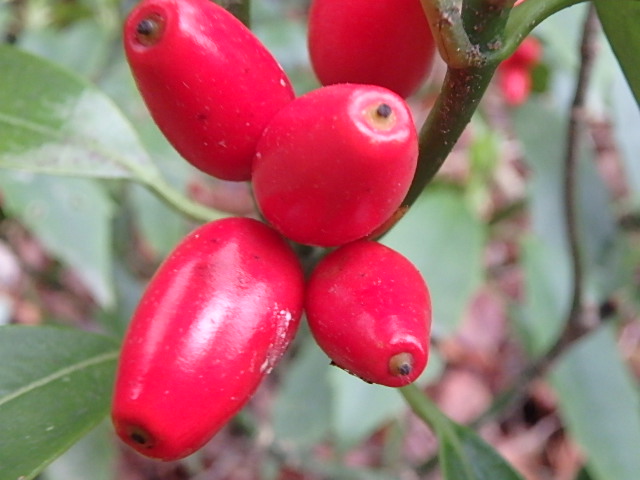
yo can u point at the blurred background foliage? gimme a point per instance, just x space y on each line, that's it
77 245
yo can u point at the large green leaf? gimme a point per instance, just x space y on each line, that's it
71 217
52 121
445 240
55 385
620 20
600 404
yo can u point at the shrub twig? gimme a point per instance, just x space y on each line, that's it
574 328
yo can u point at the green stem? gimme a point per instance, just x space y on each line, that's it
469 72
176 199
525 17
424 408
497 30
485 21
461 93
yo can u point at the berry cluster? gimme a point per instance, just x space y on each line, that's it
328 168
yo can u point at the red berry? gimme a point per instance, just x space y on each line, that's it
369 309
381 42
515 83
213 321
334 164
527 55
209 83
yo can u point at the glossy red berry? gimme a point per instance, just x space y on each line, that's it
514 74
336 163
527 55
381 42
213 321
515 83
369 309
209 83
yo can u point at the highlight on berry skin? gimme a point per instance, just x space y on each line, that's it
150 29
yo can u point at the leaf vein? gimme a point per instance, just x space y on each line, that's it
103 358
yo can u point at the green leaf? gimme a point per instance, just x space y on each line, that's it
71 217
600 404
55 386
547 287
463 454
445 240
620 21
302 411
52 121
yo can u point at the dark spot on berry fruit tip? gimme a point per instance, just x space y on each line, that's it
202 116
146 27
139 438
384 110
401 364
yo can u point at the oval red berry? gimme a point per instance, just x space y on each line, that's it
209 83
216 317
381 42
369 309
336 163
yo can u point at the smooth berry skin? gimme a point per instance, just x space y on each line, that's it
213 321
382 42
335 164
210 85
369 309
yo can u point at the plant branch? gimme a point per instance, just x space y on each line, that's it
461 93
497 29
448 31
485 21
574 328
469 72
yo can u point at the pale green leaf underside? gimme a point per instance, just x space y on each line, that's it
54 122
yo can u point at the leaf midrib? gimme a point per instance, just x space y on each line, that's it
103 358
